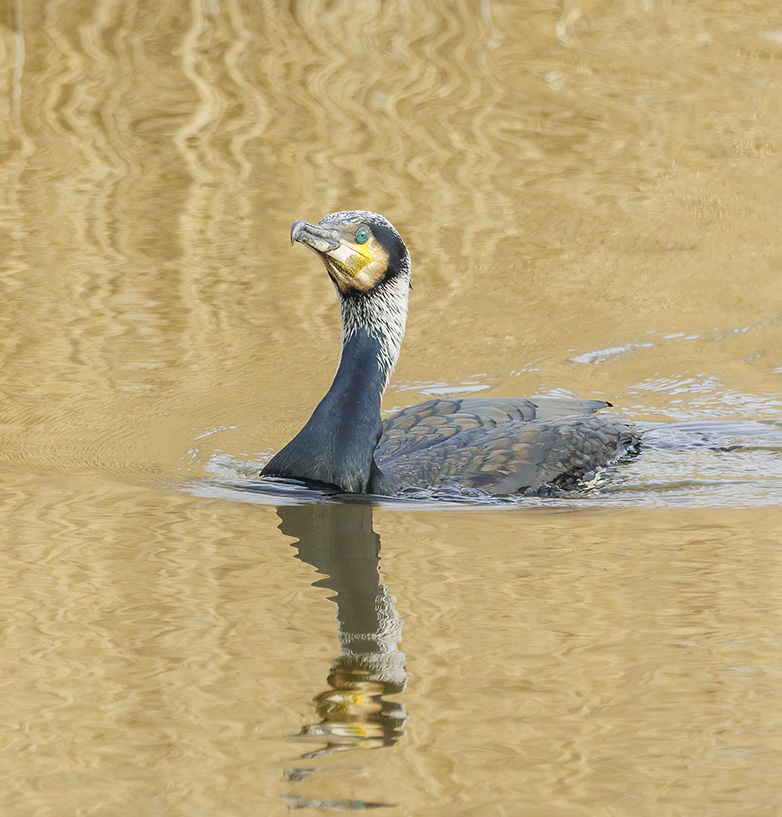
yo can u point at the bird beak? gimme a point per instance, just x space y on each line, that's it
339 255
316 238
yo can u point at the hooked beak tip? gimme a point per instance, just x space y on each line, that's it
295 227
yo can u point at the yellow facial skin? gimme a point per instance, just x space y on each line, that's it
356 266
350 258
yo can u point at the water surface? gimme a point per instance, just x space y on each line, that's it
590 194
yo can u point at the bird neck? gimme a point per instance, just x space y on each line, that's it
382 314
337 444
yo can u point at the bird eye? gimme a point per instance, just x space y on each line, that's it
362 235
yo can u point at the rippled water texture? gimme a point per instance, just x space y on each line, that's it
591 197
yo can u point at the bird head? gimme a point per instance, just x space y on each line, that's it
361 250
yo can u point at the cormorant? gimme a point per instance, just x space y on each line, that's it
496 445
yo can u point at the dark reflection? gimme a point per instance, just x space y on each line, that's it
339 541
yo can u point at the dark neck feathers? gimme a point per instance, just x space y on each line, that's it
337 444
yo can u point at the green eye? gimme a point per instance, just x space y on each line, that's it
362 235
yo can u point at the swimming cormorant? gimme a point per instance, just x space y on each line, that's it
498 445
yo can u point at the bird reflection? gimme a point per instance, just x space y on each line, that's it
338 540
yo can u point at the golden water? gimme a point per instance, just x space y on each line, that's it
591 196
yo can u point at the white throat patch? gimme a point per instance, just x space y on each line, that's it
383 313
